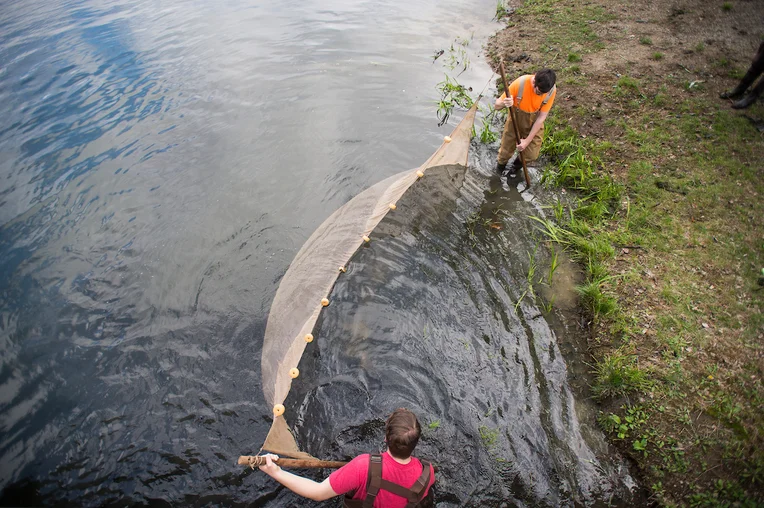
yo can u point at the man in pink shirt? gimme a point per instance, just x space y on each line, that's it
393 479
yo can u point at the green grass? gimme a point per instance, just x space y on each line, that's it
617 375
647 41
626 86
566 27
639 212
594 300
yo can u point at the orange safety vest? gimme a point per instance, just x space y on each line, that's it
548 95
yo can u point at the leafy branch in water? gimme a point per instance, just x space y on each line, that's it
457 55
452 94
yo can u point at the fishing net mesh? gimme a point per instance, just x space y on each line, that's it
313 272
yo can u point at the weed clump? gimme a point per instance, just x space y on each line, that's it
617 375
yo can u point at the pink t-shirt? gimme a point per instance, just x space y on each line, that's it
354 474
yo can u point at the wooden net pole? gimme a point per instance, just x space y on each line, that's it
259 460
514 123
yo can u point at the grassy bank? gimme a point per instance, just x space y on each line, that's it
668 228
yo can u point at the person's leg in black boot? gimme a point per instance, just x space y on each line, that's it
757 67
751 97
517 166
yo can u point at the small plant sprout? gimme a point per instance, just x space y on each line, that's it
553 265
502 10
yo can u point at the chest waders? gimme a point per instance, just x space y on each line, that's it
374 482
524 123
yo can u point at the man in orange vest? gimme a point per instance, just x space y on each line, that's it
393 479
533 96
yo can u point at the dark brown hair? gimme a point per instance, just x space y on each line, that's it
402 431
545 79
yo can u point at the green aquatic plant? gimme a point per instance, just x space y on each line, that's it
452 94
457 56
547 306
488 436
554 263
488 135
502 10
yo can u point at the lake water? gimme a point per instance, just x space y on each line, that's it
160 165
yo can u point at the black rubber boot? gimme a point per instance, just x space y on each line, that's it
517 166
744 102
501 168
733 94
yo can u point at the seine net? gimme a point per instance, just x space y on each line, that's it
315 268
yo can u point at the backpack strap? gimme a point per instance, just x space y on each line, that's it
523 79
417 490
424 480
549 95
374 482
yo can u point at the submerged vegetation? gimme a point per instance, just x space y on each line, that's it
665 222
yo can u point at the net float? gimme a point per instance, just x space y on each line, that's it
366 238
420 174
447 139
392 206
309 338
278 409
343 269
324 302
294 372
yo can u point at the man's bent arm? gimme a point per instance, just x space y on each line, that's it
537 125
